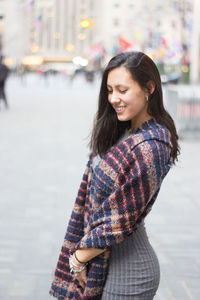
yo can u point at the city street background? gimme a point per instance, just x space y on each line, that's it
55 51
43 152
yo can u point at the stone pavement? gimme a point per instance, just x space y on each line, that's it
43 151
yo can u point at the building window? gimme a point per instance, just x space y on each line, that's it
131 4
159 23
174 24
116 3
116 22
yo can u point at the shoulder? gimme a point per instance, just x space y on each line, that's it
150 144
151 152
151 136
156 132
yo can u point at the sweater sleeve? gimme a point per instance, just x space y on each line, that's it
75 227
134 194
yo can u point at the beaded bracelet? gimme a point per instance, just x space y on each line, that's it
72 265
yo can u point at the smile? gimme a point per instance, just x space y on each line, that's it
119 109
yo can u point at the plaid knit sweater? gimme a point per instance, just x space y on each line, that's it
112 200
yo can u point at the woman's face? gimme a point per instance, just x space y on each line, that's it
127 97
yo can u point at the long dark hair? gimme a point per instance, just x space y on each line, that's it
107 128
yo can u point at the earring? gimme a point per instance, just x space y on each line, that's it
147 98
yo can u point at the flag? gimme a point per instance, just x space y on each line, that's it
124 44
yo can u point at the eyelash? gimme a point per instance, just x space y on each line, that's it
122 92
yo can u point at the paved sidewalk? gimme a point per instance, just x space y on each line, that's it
43 151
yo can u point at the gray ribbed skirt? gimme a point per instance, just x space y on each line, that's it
133 272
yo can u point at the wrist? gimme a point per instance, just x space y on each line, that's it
79 261
75 261
74 267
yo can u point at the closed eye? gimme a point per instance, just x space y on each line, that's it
121 91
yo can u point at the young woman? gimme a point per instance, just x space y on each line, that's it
106 253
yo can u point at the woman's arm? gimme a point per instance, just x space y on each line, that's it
85 255
118 215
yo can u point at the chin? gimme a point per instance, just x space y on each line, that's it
123 119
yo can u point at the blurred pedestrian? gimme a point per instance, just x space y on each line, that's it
4 71
90 76
106 253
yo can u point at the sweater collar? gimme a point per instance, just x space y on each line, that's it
146 125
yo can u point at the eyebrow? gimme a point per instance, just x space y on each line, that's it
118 85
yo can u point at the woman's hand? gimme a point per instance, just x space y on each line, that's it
80 276
85 255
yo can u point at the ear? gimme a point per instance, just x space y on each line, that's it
150 87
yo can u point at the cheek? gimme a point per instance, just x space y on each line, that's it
137 101
128 98
131 99
139 98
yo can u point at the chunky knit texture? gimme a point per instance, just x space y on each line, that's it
110 204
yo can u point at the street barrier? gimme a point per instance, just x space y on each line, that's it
183 103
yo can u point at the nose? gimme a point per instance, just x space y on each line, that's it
114 98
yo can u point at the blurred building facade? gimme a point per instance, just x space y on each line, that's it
13 29
2 16
148 25
53 28
62 28
97 29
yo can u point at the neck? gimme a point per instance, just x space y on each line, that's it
135 124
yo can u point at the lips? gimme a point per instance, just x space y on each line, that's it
119 109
